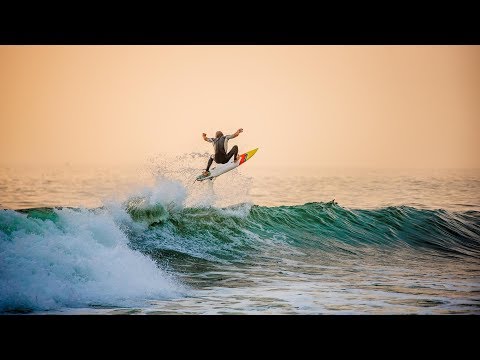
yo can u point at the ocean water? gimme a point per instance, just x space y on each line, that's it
147 239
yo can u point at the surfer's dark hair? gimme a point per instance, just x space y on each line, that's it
218 134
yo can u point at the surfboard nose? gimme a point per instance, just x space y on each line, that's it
251 153
247 156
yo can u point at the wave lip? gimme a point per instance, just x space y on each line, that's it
325 226
455 232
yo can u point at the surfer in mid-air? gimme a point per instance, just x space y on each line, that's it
220 144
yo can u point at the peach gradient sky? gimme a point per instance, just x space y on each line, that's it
339 106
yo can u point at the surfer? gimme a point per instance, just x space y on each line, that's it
220 144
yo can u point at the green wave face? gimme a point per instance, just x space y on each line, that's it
68 257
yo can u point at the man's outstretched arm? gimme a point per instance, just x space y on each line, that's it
205 137
236 133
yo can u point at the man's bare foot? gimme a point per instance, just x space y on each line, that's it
206 173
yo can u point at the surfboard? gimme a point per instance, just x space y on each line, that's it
223 168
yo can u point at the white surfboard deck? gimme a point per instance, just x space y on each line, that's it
223 168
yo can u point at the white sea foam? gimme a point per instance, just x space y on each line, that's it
82 258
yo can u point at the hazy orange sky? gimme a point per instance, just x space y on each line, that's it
345 106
